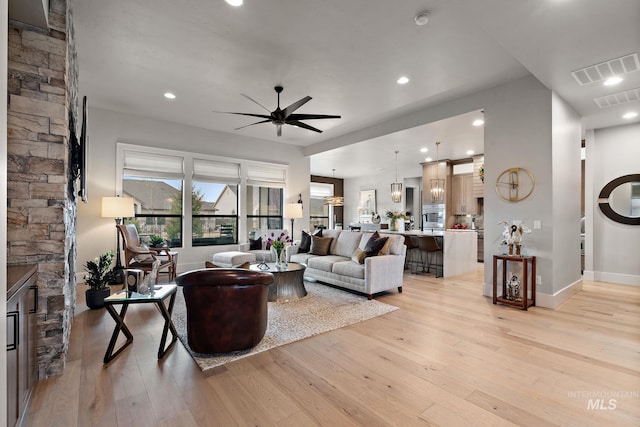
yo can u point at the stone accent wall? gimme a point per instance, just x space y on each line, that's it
41 203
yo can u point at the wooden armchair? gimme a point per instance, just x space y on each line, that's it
137 255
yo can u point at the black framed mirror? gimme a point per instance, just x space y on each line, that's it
619 200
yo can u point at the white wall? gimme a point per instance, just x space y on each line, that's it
611 254
520 130
97 235
566 167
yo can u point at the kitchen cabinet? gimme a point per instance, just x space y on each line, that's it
464 202
22 305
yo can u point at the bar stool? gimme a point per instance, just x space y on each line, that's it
429 248
412 247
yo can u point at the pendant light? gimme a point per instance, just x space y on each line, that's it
396 187
437 184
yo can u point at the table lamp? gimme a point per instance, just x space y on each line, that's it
293 211
118 208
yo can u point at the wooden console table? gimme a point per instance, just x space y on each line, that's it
525 302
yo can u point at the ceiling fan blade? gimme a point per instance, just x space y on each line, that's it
279 130
311 116
302 125
293 107
256 123
260 116
253 100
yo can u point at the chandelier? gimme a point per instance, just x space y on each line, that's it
396 187
437 184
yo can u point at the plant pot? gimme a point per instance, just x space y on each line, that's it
95 298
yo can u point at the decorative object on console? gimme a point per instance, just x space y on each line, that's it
437 184
512 236
396 187
156 241
117 208
482 173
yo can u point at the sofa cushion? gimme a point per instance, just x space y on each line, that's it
302 258
375 244
346 243
305 241
332 233
325 263
349 268
255 244
320 245
358 256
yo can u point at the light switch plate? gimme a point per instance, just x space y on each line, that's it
537 224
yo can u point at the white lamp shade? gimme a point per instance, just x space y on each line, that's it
117 207
293 210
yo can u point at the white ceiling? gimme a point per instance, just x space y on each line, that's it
347 55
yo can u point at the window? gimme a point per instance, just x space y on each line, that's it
220 200
318 211
214 203
264 209
155 184
264 198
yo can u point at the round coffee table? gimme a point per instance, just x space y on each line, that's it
288 282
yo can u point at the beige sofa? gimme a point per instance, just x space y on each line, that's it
377 274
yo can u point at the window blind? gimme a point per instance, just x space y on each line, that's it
139 163
266 176
222 172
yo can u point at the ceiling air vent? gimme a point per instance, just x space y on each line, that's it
600 72
618 98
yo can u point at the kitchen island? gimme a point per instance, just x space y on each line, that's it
460 248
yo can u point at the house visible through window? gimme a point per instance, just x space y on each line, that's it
155 184
214 203
174 191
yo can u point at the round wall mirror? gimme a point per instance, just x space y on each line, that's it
619 200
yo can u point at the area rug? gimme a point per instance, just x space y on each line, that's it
323 309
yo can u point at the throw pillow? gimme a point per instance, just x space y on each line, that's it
255 244
358 256
320 245
305 241
375 244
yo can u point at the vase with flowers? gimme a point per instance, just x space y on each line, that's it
396 220
277 244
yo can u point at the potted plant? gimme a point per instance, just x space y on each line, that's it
156 241
97 277
396 217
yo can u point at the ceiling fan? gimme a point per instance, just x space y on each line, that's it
285 116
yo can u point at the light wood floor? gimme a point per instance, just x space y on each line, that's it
447 357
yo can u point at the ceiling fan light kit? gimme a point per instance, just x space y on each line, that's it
285 116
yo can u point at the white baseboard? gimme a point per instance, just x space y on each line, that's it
621 279
554 301
545 300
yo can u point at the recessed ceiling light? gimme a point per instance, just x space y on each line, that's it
469 152
612 81
421 18
424 149
630 115
234 2
428 159
478 122
403 80
169 95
